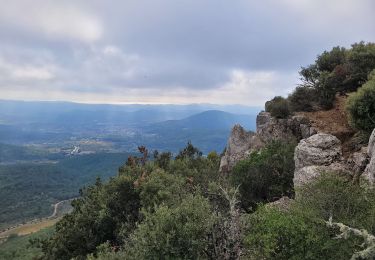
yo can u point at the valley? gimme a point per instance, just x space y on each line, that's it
50 150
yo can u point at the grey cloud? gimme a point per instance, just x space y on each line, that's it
151 47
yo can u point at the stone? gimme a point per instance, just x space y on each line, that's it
282 204
315 155
358 161
319 149
369 172
240 144
371 144
270 128
309 173
306 174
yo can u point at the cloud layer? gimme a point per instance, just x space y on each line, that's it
167 51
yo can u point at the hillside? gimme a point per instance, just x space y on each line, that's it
209 120
335 121
27 190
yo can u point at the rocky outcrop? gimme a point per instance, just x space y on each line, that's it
358 161
369 173
270 128
319 149
315 155
242 143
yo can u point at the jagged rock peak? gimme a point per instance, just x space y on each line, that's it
240 144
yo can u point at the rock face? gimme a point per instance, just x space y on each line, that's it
319 149
369 173
358 161
242 143
270 128
315 155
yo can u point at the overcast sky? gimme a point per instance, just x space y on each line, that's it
169 51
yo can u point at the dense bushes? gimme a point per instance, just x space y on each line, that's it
302 231
275 234
361 106
104 213
183 209
171 194
337 197
302 99
278 107
266 175
337 71
174 232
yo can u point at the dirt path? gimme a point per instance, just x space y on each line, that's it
56 207
34 225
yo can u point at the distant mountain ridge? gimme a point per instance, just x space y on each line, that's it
62 125
211 119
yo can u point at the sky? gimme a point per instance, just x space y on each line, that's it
169 51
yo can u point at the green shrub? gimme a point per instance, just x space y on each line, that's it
328 60
333 196
337 71
278 107
174 232
361 61
163 159
266 175
105 212
302 231
326 90
361 107
161 188
303 98
274 234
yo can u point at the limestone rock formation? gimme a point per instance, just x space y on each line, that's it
240 144
319 149
270 128
358 161
315 155
371 144
369 173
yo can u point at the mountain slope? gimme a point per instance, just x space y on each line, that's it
209 120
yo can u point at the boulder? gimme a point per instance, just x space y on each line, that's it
369 172
315 155
319 149
282 204
358 161
371 145
240 144
306 174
